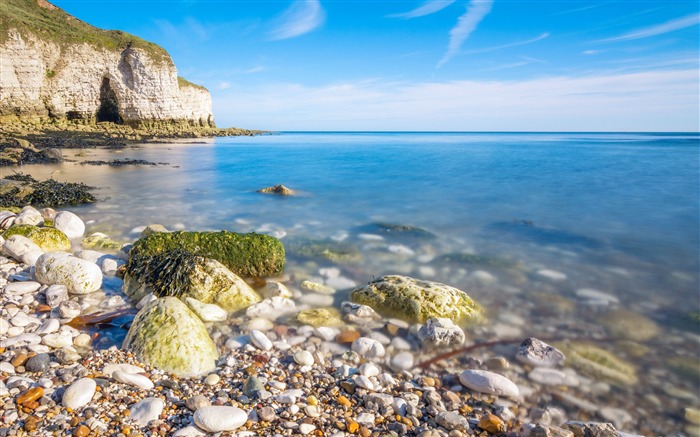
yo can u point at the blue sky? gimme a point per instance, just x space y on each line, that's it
476 65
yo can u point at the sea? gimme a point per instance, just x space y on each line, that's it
554 234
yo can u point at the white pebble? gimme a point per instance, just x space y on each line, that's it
79 393
552 274
70 224
488 382
368 348
260 340
304 358
219 418
146 410
133 379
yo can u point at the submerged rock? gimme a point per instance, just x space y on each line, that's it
48 239
98 240
78 275
319 317
599 363
335 251
538 353
396 230
278 189
440 332
167 335
414 300
182 274
247 255
629 325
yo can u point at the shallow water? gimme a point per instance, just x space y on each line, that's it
617 213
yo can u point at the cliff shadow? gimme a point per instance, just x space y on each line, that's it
109 105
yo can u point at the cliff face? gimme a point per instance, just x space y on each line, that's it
68 69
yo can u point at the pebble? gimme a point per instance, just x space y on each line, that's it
364 382
109 369
488 382
133 379
189 431
38 363
547 376
70 224
271 308
368 348
69 309
552 274
304 358
596 297
25 287
538 353
79 393
56 294
212 379
146 410
219 418
48 327
260 340
402 361
206 311
440 332
196 402
272 289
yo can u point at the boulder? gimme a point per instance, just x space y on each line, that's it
417 301
167 335
48 239
78 275
247 255
22 249
70 224
278 189
181 274
29 216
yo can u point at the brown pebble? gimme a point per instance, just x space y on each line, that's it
391 329
492 424
43 308
31 423
30 395
74 421
81 431
19 360
365 432
352 426
344 401
347 336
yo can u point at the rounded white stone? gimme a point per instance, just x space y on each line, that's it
29 216
402 361
260 340
4 326
369 370
271 308
146 410
552 274
48 327
219 418
58 340
79 393
304 358
80 276
306 428
22 249
70 224
189 431
133 379
258 323
368 348
364 382
23 287
273 288
488 382
109 369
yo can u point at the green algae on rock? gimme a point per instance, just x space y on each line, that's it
335 251
98 240
48 239
246 255
167 335
598 363
182 274
319 317
417 301
628 325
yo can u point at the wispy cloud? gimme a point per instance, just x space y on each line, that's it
467 23
591 52
427 8
651 101
659 29
505 46
582 8
303 16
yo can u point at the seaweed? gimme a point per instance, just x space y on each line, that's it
168 273
25 190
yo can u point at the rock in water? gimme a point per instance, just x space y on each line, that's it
181 274
278 189
70 224
48 239
246 255
167 335
414 300
538 353
78 275
440 332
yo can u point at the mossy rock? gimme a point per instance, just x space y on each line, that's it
48 239
319 317
416 301
598 363
628 325
396 230
335 251
181 274
167 335
247 255
98 240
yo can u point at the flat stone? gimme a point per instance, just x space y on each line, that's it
260 340
133 379
208 312
488 382
146 410
217 418
196 402
552 274
109 369
79 393
189 431
451 420
25 287
547 376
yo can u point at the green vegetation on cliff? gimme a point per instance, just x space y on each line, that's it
47 22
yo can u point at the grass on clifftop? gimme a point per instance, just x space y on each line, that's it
182 82
50 23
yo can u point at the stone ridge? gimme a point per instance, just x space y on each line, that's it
53 66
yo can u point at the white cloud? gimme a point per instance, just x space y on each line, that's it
476 11
505 46
591 52
224 85
427 8
659 29
647 101
303 16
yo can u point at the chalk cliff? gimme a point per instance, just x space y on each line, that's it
54 66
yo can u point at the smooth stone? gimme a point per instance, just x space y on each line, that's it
69 309
22 249
304 358
56 294
538 353
20 340
402 361
218 418
146 410
552 274
189 431
133 379
29 216
368 348
452 420
369 370
90 255
79 393
306 428
4 326
80 276
275 289
258 323
212 379
38 363
39 348
289 396
208 312
70 224
547 376
24 287
196 402
252 386
488 382
440 332
596 296
271 308
58 340
260 340
22 320
82 340
49 326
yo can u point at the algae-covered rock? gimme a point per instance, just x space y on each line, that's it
415 300
98 240
397 230
78 275
278 189
335 251
246 255
181 274
319 317
48 239
628 325
167 335
598 363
